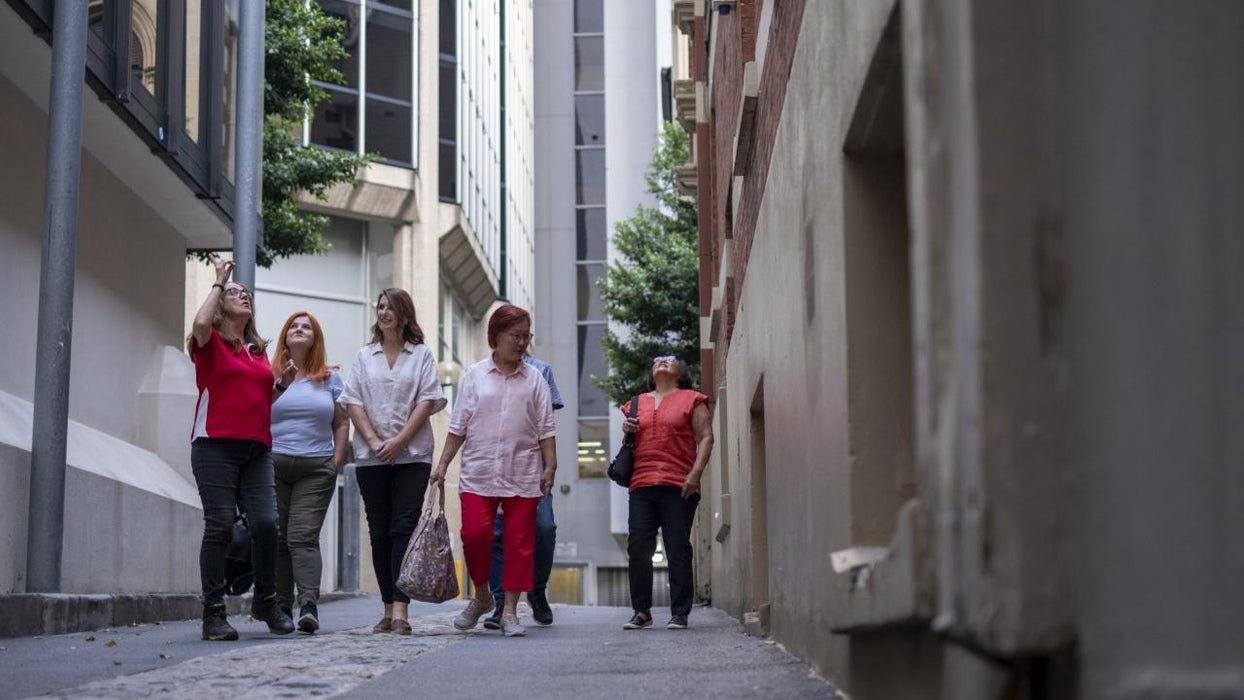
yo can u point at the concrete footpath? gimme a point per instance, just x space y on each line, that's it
586 653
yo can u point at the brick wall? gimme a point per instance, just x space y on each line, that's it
780 52
719 218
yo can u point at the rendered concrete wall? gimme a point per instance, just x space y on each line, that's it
791 334
127 313
1151 99
1073 172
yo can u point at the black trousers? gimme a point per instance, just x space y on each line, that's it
232 474
393 499
663 507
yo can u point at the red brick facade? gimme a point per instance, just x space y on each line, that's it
720 218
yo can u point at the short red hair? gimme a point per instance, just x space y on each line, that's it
503 319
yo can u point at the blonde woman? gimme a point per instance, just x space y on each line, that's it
391 392
309 434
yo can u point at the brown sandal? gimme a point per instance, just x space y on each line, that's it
385 625
401 626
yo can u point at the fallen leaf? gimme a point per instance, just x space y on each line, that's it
90 639
163 656
116 663
111 643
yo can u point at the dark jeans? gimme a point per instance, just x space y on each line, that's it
304 488
546 537
663 507
233 474
393 498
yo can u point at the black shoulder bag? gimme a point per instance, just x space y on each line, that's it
624 463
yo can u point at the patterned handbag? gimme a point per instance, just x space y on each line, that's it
428 573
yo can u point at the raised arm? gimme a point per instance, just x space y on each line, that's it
201 329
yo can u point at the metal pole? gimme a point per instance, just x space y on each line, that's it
348 542
45 536
249 144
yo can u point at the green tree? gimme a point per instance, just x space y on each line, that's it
653 291
302 45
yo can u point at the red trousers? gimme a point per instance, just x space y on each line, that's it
518 537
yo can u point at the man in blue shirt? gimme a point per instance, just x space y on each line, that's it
546 537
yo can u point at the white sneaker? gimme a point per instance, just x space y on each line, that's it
511 628
475 609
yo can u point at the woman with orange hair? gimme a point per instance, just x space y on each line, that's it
309 434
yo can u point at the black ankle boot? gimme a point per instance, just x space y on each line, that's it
268 609
216 627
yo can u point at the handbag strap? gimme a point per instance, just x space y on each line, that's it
633 414
429 503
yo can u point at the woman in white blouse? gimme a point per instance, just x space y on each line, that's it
503 422
391 392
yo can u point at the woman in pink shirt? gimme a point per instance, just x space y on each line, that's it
503 422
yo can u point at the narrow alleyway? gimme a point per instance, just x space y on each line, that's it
585 654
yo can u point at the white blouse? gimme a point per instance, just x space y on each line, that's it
389 395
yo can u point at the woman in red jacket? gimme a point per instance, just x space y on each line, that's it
673 440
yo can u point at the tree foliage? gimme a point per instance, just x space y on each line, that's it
653 291
302 45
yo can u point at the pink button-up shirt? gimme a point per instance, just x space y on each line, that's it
503 418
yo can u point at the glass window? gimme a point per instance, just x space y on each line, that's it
589 175
589 16
449 28
388 129
389 56
380 256
593 449
194 24
336 121
590 232
589 296
100 19
589 120
349 14
401 4
447 85
144 17
589 64
592 401
448 172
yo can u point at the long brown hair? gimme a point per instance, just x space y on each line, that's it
315 366
402 306
250 335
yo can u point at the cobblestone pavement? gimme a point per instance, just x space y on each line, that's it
585 654
301 666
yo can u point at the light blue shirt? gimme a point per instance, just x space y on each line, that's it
302 418
547 371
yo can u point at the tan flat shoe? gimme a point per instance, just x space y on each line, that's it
385 625
401 626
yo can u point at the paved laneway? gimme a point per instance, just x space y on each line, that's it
585 654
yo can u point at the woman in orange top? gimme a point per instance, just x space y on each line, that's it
673 440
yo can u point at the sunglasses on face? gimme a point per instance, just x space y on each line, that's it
664 358
237 293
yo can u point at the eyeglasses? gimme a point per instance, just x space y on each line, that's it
522 337
237 293
664 358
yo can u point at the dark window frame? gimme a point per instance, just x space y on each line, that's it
150 116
